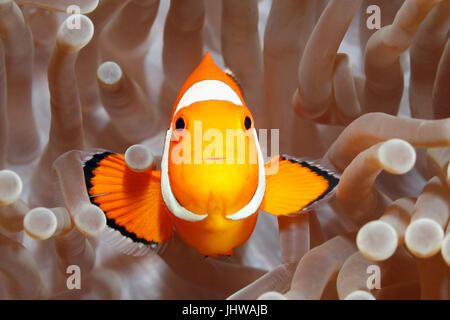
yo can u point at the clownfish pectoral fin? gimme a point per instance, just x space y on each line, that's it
131 201
296 185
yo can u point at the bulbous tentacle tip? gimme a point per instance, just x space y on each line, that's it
109 75
424 237
397 156
40 223
360 295
75 33
90 220
10 187
139 158
84 6
377 240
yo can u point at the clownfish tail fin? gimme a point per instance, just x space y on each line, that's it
137 218
297 185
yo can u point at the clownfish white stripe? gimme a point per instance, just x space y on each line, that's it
166 190
208 90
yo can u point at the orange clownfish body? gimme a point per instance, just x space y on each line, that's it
212 181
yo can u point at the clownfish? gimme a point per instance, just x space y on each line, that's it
211 200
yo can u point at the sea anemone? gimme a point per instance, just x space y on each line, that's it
372 102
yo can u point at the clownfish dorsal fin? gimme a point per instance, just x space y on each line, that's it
297 185
208 82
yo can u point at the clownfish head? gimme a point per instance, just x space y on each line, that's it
212 164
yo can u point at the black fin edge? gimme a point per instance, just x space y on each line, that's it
332 178
88 168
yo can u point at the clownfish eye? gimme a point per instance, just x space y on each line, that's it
179 124
247 123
